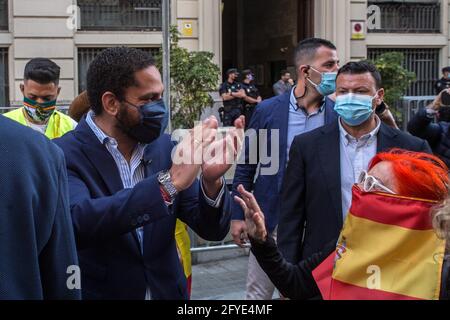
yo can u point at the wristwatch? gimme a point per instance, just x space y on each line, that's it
165 180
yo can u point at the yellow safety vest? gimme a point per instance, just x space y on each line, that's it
58 124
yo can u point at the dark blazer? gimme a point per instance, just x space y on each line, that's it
37 246
269 114
311 191
105 218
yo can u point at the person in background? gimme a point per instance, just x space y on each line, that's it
232 94
392 176
283 85
40 91
326 162
37 245
252 96
444 82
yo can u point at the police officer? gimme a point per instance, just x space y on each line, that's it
252 96
444 82
232 94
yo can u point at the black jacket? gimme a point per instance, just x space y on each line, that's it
437 134
311 191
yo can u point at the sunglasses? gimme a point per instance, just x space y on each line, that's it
371 184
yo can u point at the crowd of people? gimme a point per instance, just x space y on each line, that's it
103 197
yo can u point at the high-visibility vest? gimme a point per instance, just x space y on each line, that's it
58 124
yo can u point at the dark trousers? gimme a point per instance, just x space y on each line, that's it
230 116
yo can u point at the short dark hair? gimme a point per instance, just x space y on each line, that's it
306 49
283 72
446 69
114 70
361 67
42 70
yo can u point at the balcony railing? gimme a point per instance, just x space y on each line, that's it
3 14
120 15
4 87
408 16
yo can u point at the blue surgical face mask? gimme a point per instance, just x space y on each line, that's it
154 120
354 109
327 85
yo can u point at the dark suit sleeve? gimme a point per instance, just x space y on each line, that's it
210 223
421 126
245 171
100 219
294 281
60 252
292 214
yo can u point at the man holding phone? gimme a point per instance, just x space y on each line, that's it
423 125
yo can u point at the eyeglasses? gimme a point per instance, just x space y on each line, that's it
371 184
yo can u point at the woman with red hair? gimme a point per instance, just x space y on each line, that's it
397 193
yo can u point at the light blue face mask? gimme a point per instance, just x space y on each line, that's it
327 85
354 109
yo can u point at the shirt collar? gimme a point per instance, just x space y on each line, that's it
367 138
293 102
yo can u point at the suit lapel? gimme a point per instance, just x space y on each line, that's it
329 158
283 122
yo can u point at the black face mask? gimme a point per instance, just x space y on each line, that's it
153 123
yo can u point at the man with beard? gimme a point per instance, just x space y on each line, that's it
125 192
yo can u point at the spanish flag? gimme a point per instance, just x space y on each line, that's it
387 250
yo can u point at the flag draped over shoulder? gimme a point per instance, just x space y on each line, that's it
387 250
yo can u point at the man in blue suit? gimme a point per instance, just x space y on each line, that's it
304 108
125 192
38 258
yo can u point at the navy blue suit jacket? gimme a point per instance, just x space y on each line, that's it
37 247
311 192
269 114
105 217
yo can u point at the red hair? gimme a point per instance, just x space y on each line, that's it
418 174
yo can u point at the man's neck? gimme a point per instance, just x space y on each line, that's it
247 81
364 128
125 144
311 101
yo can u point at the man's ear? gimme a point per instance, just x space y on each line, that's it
110 103
58 92
22 88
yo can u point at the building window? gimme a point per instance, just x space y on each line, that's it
85 57
424 62
3 14
408 16
120 15
4 86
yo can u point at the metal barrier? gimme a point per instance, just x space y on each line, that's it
410 105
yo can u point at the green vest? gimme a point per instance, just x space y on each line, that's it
58 124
